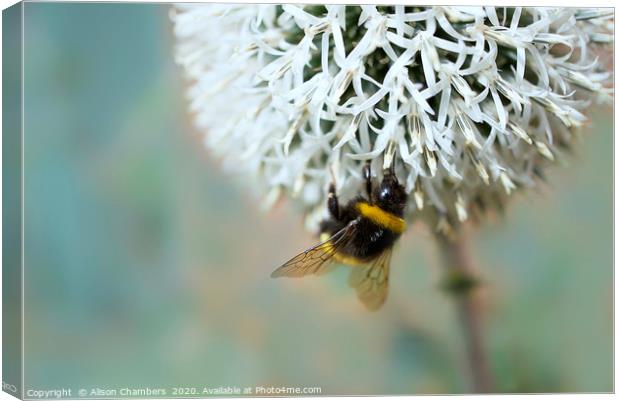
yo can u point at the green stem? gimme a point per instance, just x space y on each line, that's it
461 283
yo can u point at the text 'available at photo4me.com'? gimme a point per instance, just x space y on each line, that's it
184 392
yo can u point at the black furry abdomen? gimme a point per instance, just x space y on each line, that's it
366 243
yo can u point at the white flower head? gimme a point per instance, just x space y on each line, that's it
471 102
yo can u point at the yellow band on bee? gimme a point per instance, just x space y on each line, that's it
381 218
339 257
349 260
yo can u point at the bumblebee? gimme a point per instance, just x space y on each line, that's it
360 234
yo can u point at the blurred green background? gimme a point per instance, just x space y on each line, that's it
146 266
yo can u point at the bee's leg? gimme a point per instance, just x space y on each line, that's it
332 202
368 178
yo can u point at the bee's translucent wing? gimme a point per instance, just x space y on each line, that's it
371 281
317 259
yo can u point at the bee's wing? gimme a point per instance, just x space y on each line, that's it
371 281
316 260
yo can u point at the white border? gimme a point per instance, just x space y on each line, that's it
550 3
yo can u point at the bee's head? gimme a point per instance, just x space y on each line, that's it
390 195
